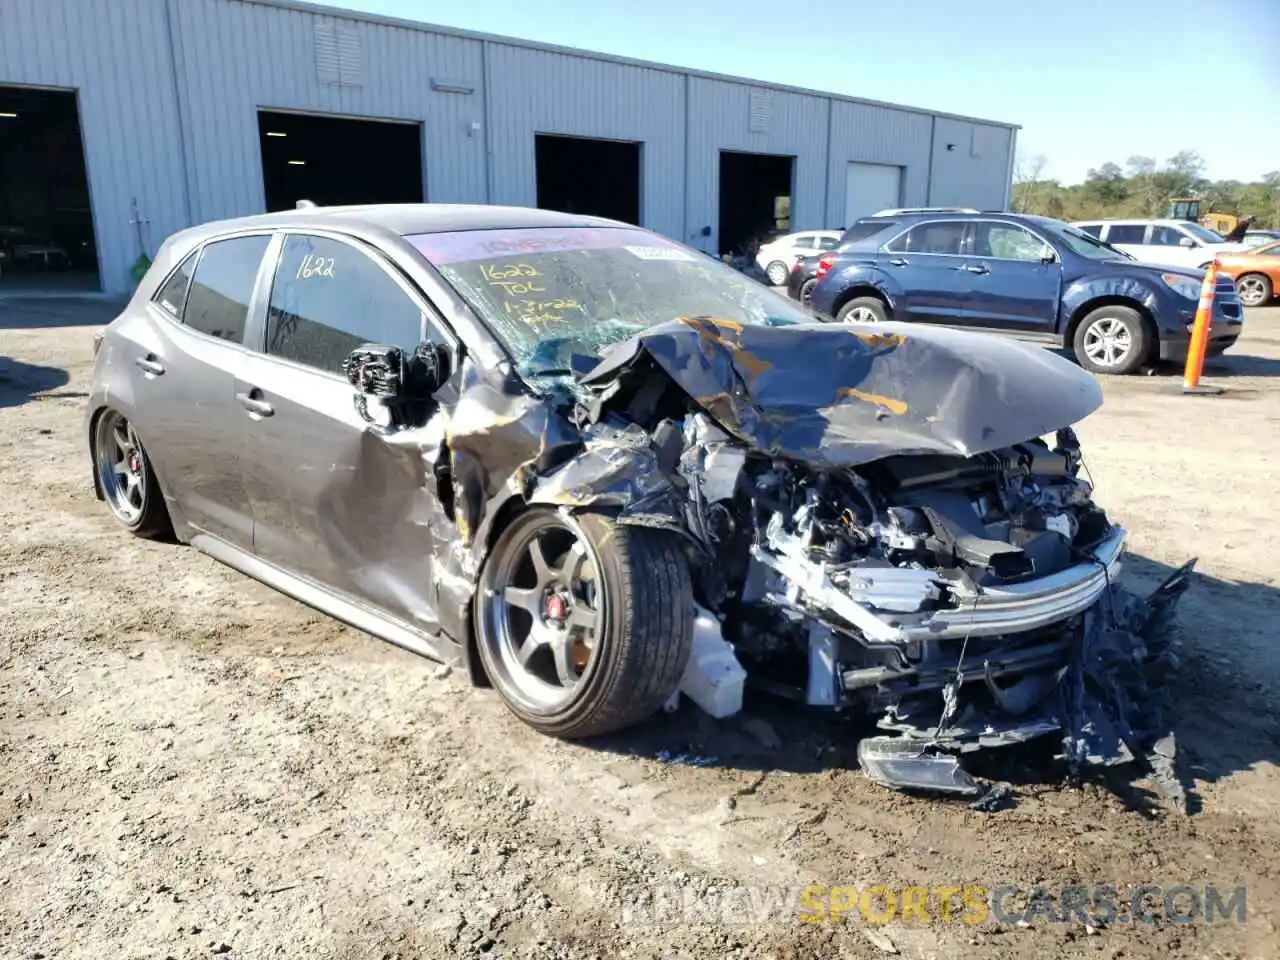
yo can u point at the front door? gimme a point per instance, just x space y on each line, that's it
926 272
1017 281
335 499
188 359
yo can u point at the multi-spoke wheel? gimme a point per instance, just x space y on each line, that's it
126 478
1254 289
1111 339
863 310
583 625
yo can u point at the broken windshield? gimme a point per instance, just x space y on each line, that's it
557 298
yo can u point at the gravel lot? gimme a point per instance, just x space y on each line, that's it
193 765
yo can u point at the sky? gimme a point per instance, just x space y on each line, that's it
1089 81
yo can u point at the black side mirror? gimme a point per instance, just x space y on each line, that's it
399 380
1048 255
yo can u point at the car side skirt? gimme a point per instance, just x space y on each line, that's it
438 647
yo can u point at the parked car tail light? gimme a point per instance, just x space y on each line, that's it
824 265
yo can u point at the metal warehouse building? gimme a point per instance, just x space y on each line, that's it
124 120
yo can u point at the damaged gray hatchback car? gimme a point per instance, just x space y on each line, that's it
603 470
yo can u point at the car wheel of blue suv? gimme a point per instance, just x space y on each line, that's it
863 310
1111 339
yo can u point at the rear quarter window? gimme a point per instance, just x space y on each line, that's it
863 229
172 294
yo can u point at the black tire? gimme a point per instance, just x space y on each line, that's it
1254 289
149 516
1123 327
646 610
777 273
806 290
873 305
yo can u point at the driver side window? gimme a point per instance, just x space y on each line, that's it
1166 236
329 297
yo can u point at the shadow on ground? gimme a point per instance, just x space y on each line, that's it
20 382
1218 709
42 313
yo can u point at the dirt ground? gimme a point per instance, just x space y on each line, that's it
194 765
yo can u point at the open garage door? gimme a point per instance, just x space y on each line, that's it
869 187
581 175
755 199
337 160
46 226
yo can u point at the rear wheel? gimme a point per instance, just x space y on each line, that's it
126 478
1254 289
584 626
777 273
1111 339
863 310
806 290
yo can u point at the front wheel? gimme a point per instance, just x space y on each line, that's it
806 290
777 273
1111 339
584 626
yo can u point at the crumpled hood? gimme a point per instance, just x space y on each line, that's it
843 395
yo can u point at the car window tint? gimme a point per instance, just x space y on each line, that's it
218 303
1126 233
328 298
1092 229
1006 242
930 238
173 294
828 243
1166 236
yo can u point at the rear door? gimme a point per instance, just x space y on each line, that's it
1130 238
184 385
926 270
334 499
1014 288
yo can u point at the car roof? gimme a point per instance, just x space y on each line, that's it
405 219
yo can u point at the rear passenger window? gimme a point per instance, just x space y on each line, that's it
930 238
329 297
1126 233
828 243
173 294
218 303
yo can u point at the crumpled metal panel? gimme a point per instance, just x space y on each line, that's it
842 395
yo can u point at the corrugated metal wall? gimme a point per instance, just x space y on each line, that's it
180 132
235 58
116 57
720 118
534 91
970 164
865 134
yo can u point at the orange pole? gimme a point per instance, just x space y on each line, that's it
1200 330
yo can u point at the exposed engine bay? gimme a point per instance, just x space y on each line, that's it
966 601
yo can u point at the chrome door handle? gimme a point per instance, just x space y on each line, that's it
977 268
255 406
149 364
898 262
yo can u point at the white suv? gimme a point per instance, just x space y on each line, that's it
778 256
1175 243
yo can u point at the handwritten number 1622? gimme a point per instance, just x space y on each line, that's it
313 266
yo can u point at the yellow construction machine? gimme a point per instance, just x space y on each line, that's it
1188 208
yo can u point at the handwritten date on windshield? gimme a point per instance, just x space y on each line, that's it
540 311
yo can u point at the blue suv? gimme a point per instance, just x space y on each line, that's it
1030 277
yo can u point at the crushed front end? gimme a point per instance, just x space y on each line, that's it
924 548
967 602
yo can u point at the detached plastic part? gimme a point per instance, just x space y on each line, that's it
714 678
907 764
